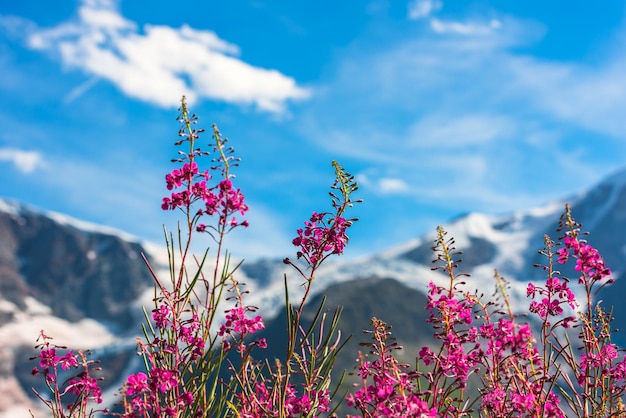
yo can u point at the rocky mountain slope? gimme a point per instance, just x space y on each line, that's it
76 281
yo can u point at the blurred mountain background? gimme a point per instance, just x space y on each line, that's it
85 285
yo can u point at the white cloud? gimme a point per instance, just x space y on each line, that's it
464 28
447 131
382 185
419 9
24 161
393 186
588 97
163 63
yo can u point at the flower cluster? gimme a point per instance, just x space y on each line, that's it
263 401
161 392
180 339
556 293
183 337
82 387
237 327
512 360
317 239
236 322
325 233
392 391
150 395
521 375
450 317
588 260
191 186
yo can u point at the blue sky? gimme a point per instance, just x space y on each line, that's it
437 107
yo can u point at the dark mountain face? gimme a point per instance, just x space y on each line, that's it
602 213
74 272
360 299
78 274
605 207
479 251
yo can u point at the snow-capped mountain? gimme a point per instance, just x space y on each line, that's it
84 284
77 281
509 243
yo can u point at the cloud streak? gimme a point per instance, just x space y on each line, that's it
24 161
161 63
419 9
464 28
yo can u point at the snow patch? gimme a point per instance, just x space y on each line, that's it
6 306
10 207
88 226
16 208
21 411
34 307
25 328
547 210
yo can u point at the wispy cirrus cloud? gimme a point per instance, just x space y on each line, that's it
463 115
449 131
158 64
589 97
24 161
420 9
464 28
425 9
383 185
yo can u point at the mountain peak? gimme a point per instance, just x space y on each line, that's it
11 207
617 179
16 208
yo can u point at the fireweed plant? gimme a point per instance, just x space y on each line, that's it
68 396
185 351
183 355
517 374
488 361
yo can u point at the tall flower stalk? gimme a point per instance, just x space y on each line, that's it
182 352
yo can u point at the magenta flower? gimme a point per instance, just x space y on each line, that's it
136 384
237 323
48 358
160 316
163 380
68 360
317 240
86 387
